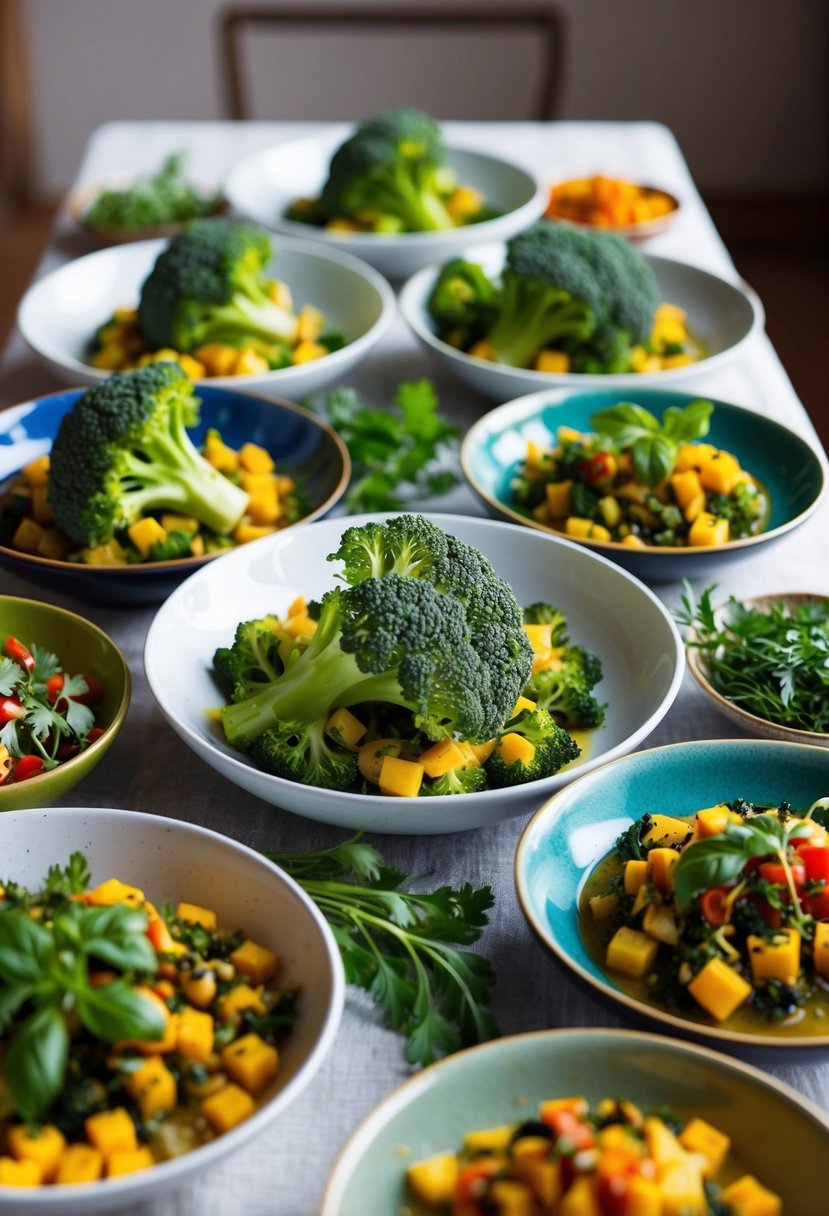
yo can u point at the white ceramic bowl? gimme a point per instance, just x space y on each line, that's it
723 315
59 313
608 611
171 860
262 186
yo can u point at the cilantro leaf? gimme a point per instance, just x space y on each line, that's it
10 675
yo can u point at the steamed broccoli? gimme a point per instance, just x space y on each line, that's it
210 285
391 167
463 297
300 751
552 749
252 660
456 781
541 613
566 690
123 450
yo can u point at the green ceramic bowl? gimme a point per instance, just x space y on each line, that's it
81 647
775 1134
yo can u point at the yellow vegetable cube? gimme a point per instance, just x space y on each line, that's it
307 352
110 554
482 751
719 989
79 1163
280 293
659 922
192 368
604 906
54 545
111 1131
720 474
543 1176
667 831
35 1142
821 948
558 496
246 531
433 1181
131 1162
194 1034
540 638
775 958
153 1087
441 758
240 998
520 705
300 627
255 962
512 1197
552 361
483 350
700 1137
661 1142
611 510
145 533
633 542
643 1198
19 1173
708 530
371 756
36 471
631 952
585 529
636 874
41 506
250 363
747 1197
582 1198
255 459
227 1108
310 323
264 506
217 453
195 914
683 1193
344 728
463 202
515 748
27 535
179 523
488 1140
401 778
686 486
660 865
712 820
251 1062
113 891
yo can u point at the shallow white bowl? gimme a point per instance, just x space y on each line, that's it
171 860
608 611
262 186
723 315
59 313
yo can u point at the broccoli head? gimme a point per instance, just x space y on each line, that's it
566 690
123 450
390 167
541 613
550 749
456 781
210 285
300 751
252 660
463 297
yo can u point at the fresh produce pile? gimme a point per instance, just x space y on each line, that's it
578 1159
641 482
568 300
389 177
46 715
723 916
166 197
130 1034
422 675
607 202
209 305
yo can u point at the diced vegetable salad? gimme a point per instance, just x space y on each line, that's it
607 202
574 1159
722 917
151 1031
47 715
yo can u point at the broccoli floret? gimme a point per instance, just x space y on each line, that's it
176 544
463 297
404 544
541 613
209 285
456 781
252 661
390 167
123 450
165 198
566 692
553 749
300 751
608 352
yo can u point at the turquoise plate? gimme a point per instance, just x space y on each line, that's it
775 1133
793 472
563 842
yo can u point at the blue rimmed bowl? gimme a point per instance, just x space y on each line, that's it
301 444
770 1126
791 470
576 828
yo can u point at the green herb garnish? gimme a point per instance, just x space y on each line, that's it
653 446
164 198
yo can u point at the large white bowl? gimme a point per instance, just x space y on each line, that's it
608 610
723 315
59 313
171 860
263 185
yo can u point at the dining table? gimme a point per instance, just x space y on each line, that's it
283 1171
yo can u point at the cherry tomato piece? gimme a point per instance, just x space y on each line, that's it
94 688
26 767
817 905
712 905
93 733
596 468
772 916
11 708
53 687
815 861
774 871
15 650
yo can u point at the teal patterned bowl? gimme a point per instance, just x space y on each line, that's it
775 1133
575 829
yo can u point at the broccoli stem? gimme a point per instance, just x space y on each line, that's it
250 317
533 315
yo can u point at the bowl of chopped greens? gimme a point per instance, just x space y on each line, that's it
221 300
667 484
565 306
444 673
64 694
389 191
763 661
117 492
170 993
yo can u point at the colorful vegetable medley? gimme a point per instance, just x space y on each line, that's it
607 202
420 676
46 714
608 1159
389 177
641 482
130 1034
125 484
165 197
208 305
720 915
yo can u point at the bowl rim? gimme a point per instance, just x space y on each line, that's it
764 726
192 563
670 1022
414 294
362 1138
504 795
50 1199
640 229
65 614
524 408
373 240
151 247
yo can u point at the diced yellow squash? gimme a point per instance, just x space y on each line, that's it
820 948
659 922
344 727
660 868
179 523
604 906
109 358
719 989
569 434
194 1034
255 459
708 530
238 999
371 756
543 1176
113 891
484 350
638 358
227 1108
488 1139
298 607
720 474
40 504
669 312
748 1197
264 506
36 471
441 758
686 487
775 958
631 952
540 638
585 529
700 1137
611 510
559 500
643 898
121 1163
310 323
43 1143
651 363
197 547
633 542
512 1197
482 751
110 554
145 533
463 202
195 914
667 831
636 874
280 294
582 1198
218 358
683 1193
520 705
680 360
111 1131
400 778
153 1087
299 627
251 1062
433 1181
643 1197
54 545
256 963
192 368
552 361
307 352
662 1144
694 456
19 1173
27 535
246 531
251 363
513 747
712 820
153 1047
217 453
79 1163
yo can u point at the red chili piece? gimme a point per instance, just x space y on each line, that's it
26 767
596 468
15 650
54 685
11 708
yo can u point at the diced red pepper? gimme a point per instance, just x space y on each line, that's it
11 708
93 693
26 767
160 936
596 468
774 871
712 905
67 750
53 687
772 916
817 905
565 1124
93 733
816 862
471 1174
15 650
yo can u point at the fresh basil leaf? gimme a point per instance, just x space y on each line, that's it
624 423
11 999
691 422
117 1011
709 863
654 457
118 935
26 948
35 1063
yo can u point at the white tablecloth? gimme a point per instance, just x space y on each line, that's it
149 769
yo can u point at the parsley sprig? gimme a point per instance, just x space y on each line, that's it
402 946
45 725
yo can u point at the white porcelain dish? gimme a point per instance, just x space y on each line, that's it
722 315
171 860
608 610
59 313
263 185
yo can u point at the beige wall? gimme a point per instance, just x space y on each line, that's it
741 82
